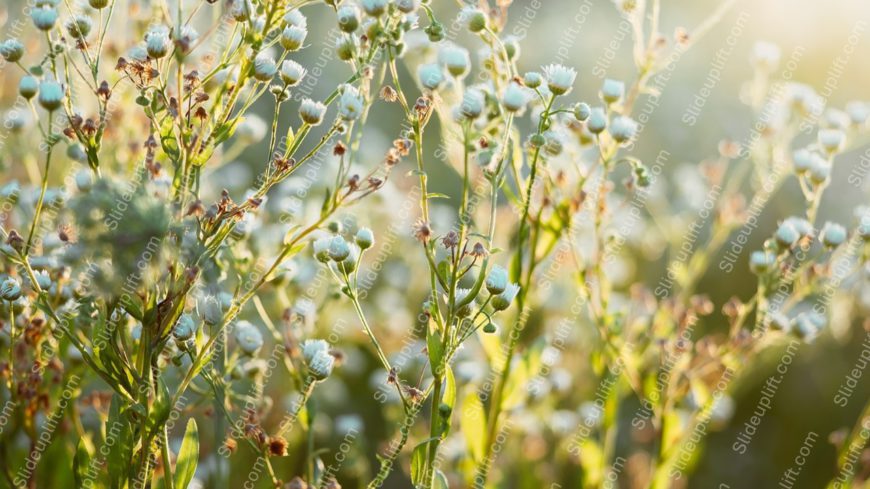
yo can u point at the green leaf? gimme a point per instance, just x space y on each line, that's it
473 421
436 351
188 456
82 460
436 195
418 464
449 388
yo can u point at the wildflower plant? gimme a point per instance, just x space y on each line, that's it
147 284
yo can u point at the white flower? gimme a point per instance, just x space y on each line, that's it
350 105
431 76
264 67
316 355
533 79
858 112
560 78
293 36
311 348
833 234
497 280
43 279
157 42
184 328
320 367
474 18
10 289
248 337
597 121
252 129
515 97
503 300
473 102
832 139
365 238
338 248
296 18
612 90
312 112
292 72
456 59
623 128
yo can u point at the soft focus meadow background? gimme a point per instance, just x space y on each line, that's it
833 39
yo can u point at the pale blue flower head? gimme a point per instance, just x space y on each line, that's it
431 76
292 72
351 103
515 97
455 59
497 280
312 112
248 337
560 78
502 301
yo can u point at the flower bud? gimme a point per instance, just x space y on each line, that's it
597 121
338 248
502 301
98 4
473 102
612 91
351 103
248 337
455 59
786 235
50 95
497 280
365 238
10 289
157 43
832 140
211 310
184 328
317 358
44 18
312 112
560 78
833 235
292 72
582 111
28 86
296 18
321 249
407 6
515 97
431 76
761 262
346 47
12 50
375 8
293 36
623 128
489 328
79 26
474 18
533 79
820 171
264 67
348 17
